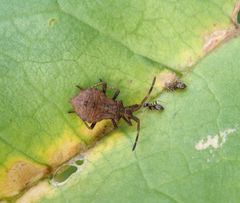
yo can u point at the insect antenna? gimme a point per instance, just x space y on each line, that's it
136 107
148 94
138 130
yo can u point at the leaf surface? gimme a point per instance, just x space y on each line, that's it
188 153
174 33
48 47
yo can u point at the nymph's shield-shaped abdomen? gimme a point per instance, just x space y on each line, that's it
92 105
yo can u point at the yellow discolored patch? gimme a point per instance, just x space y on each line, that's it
165 79
19 174
101 129
107 145
189 57
37 192
61 149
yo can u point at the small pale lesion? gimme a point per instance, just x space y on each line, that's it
214 141
217 35
213 39
52 22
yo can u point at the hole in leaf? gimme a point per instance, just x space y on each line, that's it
79 162
64 173
238 17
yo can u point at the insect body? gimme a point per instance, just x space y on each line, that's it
175 85
153 106
171 82
92 105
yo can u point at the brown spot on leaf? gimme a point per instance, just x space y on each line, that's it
212 40
20 175
64 153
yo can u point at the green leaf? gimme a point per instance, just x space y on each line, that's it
189 153
174 33
45 54
47 48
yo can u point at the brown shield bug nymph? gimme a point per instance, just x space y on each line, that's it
92 105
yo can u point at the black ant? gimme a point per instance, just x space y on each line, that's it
153 106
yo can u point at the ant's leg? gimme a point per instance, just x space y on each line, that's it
114 123
71 111
127 120
90 127
116 94
138 130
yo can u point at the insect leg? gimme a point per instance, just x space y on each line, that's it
103 84
127 120
71 111
116 94
105 87
92 125
138 130
114 123
89 127
79 87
